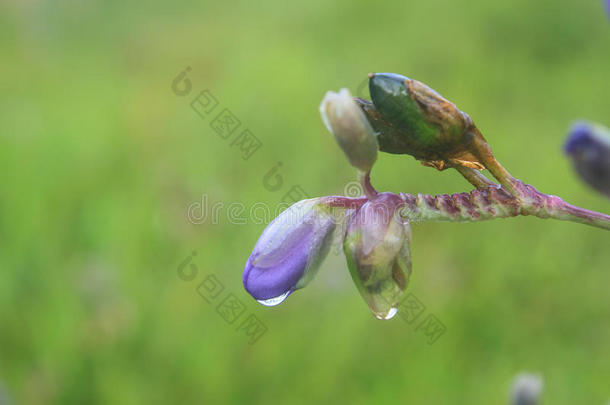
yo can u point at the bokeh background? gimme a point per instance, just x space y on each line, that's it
100 161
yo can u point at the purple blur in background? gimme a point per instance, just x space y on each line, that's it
588 147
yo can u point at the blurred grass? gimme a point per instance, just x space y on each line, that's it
100 161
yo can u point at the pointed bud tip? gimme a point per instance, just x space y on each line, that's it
381 84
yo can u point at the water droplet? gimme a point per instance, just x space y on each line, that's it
386 315
271 302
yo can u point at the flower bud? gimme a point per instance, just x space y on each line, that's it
588 146
351 129
377 248
289 251
412 118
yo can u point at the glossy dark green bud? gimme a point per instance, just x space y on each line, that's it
391 98
412 118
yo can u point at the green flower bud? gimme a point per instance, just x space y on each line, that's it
351 129
377 248
412 118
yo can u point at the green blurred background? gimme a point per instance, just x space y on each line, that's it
100 160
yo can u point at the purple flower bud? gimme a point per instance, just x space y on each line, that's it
289 251
377 247
588 147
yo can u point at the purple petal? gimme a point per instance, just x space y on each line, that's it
289 251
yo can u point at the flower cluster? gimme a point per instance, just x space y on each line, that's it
376 238
404 117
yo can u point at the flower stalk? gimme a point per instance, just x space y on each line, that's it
493 203
365 181
483 204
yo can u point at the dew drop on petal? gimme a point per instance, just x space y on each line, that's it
386 315
271 302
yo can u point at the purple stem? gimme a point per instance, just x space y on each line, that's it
485 203
345 202
495 202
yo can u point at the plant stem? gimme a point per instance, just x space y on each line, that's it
492 202
550 206
345 202
474 177
480 148
365 181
